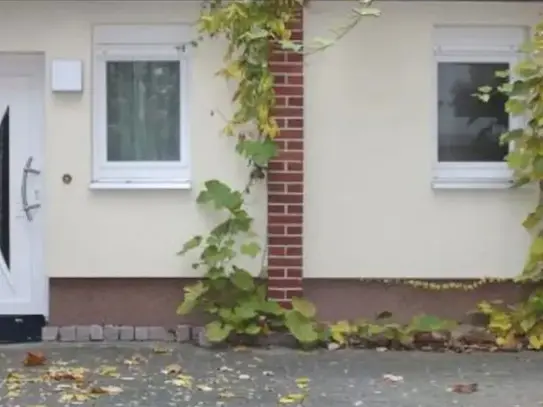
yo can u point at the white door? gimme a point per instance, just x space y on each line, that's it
23 286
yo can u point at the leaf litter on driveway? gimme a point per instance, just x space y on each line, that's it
182 375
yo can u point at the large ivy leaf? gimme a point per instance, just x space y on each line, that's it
304 307
221 195
301 327
271 307
242 279
244 313
259 151
218 332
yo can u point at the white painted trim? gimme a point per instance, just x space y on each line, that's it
32 66
473 44
139 43
140 185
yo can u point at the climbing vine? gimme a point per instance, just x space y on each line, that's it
236 301
229 293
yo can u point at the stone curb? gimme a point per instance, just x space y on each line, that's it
128 333
114 333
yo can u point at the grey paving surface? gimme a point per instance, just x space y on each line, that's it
259 377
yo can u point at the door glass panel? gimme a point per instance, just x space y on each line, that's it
4 187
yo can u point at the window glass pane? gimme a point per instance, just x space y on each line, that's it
143 114
469 129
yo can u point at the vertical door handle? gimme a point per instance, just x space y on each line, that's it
26 207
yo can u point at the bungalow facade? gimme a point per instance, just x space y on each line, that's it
389 169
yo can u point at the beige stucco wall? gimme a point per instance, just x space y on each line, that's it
370 210
123 233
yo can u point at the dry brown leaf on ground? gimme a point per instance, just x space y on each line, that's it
173 369
111 390
34 359
464 388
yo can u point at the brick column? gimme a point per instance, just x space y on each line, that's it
285 179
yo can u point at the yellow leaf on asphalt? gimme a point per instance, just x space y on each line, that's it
292 398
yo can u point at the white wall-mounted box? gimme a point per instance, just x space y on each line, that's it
67 75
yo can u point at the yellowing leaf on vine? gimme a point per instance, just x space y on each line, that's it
536 249
535 342
304 307
528 323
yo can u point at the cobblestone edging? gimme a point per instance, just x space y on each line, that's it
180 334
112 333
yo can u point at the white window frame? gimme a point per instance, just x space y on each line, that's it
138 43
474 45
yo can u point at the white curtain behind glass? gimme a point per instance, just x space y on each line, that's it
143 114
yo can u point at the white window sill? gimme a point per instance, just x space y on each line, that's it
473 176
120 185
472 183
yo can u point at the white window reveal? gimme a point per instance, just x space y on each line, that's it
469 153
140 107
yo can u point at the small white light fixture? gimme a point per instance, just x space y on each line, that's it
67 75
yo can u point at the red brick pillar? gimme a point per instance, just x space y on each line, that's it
286 176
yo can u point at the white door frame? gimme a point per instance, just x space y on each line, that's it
28 69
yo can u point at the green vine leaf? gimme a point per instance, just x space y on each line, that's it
536 249
250 249
534 218
304 307
221 195
192 294
258 151
301 327
193 243
242 279
216 331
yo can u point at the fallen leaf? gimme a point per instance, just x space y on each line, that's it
183 381
111 390
464 388
173 369
110 371
302 382
161 350
390 378
204 387
227 395
292 399
34 359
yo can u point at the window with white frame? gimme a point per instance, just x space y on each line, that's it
140 106
469 153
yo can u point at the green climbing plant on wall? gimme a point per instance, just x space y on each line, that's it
236 301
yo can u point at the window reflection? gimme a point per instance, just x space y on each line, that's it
469 129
